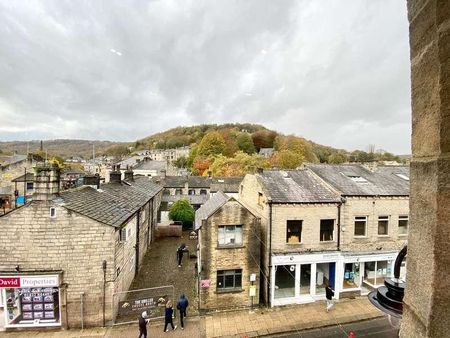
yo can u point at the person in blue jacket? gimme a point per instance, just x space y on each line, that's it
182 306
168 316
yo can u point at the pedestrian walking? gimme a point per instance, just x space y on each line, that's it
329 293
143 325
182 305
180 251
168 316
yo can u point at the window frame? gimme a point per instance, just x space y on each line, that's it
300 239
359 219
123 234
332 230
52 212
403 218
383 218
28 189
221 274
230 245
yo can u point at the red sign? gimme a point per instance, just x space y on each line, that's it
205 283
9 282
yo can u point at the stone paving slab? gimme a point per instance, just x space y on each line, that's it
257 323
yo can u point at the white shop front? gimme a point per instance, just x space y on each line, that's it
301 278
30 301
364 272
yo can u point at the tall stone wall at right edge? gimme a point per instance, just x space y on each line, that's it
427 298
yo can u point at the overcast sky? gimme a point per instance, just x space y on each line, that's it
336 72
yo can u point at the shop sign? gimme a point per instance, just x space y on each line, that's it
28 281
137 306
9 282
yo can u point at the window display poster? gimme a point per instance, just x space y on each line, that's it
33 304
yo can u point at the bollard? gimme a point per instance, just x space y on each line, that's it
351 334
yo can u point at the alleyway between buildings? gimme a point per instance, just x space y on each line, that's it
160 268
259 323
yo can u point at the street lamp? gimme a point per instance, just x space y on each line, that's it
389 298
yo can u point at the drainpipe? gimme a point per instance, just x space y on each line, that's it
104 290
82 309
339 224
138 221
270 253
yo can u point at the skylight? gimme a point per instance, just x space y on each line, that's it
403 176
358 179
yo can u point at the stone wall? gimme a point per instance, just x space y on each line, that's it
427 298
372 207
310 215
245 257
69 242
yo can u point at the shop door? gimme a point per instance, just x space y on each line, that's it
305 279
332 273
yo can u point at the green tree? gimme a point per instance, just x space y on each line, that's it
182 211
245 143
337 158
211 144
287 159
181 162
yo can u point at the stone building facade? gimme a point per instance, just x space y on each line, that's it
79 245
228 256
320 226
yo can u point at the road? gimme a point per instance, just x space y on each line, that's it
375 328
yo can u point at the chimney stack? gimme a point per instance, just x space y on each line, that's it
115 176
129 174
92 180
46 182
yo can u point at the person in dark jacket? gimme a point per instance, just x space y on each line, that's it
180 251
329 293
168 316
143 325
182 305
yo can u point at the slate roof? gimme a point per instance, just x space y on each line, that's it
113 203
226 184
179 181
193 199
29 178
6 160
355 180
295 186
209 208
267 152
150 165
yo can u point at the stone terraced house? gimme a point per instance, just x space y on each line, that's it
228 256
337 224
72 247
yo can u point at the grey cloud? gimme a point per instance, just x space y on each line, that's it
334 72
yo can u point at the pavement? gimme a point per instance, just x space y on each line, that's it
260 322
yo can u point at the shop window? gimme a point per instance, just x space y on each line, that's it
322 277
375 272
230 235
52 212
326 230
351 276
294 231
383 223
229 279
403 225
37 306
284 281
360 225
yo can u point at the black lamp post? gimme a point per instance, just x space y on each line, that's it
389 298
